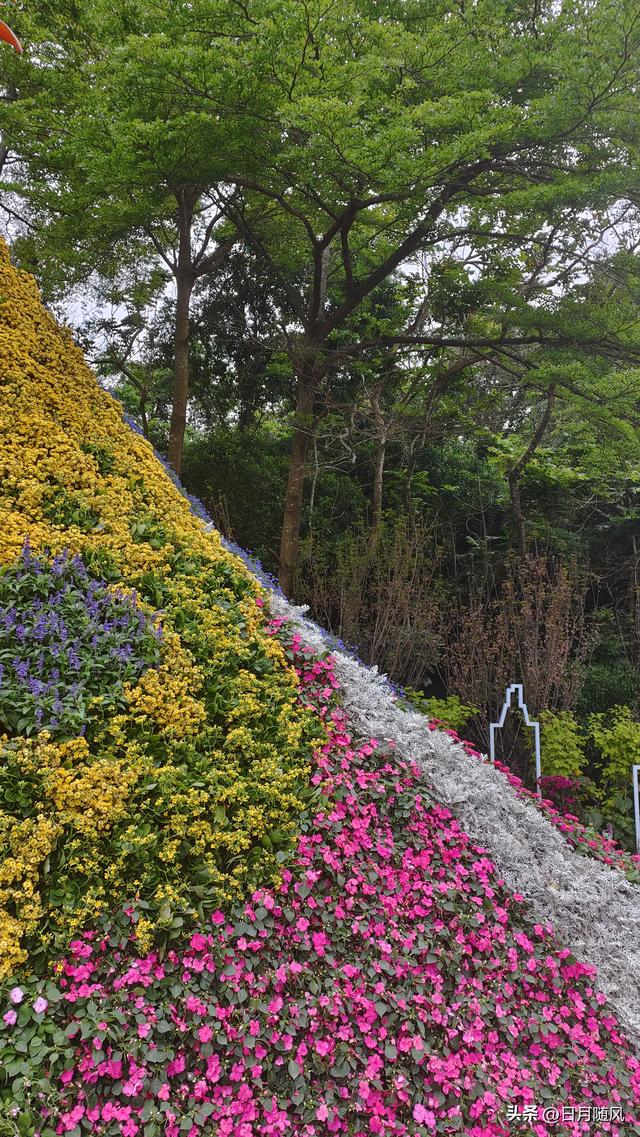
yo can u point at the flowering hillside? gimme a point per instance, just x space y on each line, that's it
154 740
227 908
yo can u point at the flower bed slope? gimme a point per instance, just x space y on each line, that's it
592 906
175 766
390 985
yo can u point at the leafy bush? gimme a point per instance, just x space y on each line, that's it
68 644
225 469
563 792
380 592
616 734
531 629
561 745
606 684
451 712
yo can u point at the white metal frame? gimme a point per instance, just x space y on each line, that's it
636 803
528 721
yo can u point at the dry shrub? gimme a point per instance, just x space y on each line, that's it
531 630
380 591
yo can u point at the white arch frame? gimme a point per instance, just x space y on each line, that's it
528 721
636 803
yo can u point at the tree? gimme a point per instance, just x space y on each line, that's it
489 148
492 131
111 171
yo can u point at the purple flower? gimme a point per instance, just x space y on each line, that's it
16 994
65 636
10 1018
40 1005
21 668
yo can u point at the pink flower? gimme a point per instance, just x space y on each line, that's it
40 1005
70 1120
16 994
199 942
10 1018
205 1033
424 1116
176 1065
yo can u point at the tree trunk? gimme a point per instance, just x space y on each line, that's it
303 426
407 487
143 416
184 285
314 480
378 463
185 279
378 476
517 516
309 368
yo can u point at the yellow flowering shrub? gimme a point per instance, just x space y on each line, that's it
185 792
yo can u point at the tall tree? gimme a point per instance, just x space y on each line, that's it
426 130
109 169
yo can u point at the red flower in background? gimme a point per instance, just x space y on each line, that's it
9 37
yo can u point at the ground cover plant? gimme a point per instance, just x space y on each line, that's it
222 910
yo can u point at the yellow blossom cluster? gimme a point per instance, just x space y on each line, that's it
187 792
28 843
164 697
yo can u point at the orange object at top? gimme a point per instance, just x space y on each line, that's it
8 36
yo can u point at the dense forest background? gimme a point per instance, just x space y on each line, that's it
368 275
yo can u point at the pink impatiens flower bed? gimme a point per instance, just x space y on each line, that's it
390 985
580 837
